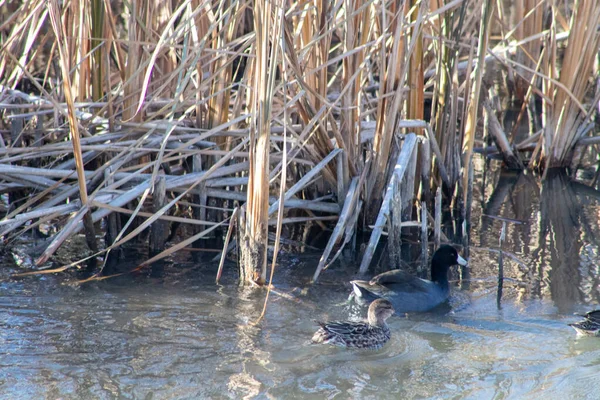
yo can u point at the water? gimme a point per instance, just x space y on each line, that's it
178 335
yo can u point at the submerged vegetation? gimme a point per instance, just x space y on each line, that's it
191 118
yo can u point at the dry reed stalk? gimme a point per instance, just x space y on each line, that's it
415 101
180 245
201 31
358 31
564 116
312 117
394 223
279 16
255 226
234 220
25 24
314 37
527 16
208 35
163 76
471 124
495 130
444 110
391 83
345 218
437 224
162 20
305 179
143 191
424 241
97 45
133 79
60 33
400 168
221 66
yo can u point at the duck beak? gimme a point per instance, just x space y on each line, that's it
461 260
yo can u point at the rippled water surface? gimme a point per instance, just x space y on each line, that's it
181 336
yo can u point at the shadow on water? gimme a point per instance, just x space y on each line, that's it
170 332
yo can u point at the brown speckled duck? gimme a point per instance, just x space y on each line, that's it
364 335
590 326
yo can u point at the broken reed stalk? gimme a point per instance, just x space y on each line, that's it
494 128
406 155
425 167
234 220
58 27
255 226
394 222
347 221
159 230
345 217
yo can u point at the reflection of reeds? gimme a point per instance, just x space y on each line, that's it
559 238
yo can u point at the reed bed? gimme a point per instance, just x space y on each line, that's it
147 115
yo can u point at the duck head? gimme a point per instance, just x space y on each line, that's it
379 311
444 257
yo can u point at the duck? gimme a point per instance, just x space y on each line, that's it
408 293
372 334
590 326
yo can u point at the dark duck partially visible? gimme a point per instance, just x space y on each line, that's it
372 334
408 293
593 315
589 326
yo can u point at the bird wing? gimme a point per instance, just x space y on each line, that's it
401 281
393 276
345 328
592 315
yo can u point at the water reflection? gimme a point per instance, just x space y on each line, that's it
560 243
556 243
